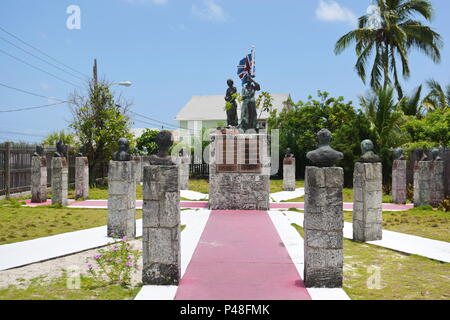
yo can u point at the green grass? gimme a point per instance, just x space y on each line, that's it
402 276
25 223
347 196
57 289
420 222
277 185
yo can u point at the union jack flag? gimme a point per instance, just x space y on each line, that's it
245 68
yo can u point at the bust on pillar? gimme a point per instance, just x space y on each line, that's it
60 172
39 176
289 171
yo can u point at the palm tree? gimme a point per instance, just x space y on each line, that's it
396 33
437 98
412 105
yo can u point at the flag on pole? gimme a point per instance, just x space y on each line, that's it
246 67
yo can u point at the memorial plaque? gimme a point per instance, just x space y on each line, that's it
238 155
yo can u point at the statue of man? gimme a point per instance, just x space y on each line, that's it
122 154
60 149
232 118
248 112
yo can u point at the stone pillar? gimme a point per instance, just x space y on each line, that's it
60 173
38 179
399 181
289 174
422 183
81 178
161 226
367 200
184 172
138 167
122 199
437 192
323 226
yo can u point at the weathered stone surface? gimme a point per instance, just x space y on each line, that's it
161 225
38 179
423 179
81 178
184 172
437 187
289 174
60 172
138 167
323 225
399 181
367 201
122 199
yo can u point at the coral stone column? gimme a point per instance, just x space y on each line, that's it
60 172
422 183
122 199
289 174
138 167
367 194
38 179
184 172
323 226
81 178
399 181
437 192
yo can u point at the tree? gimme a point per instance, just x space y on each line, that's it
54 137
437 98
99 120
299 124
412 105
395 35
146 144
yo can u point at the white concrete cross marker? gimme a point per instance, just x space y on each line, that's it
73 278
73 22
374 280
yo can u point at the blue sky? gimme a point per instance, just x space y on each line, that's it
173 49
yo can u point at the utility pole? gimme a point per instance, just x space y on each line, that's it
94 73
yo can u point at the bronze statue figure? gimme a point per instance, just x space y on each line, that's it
398 154
289 153
435 154
230 98
368 156
39 151
122 154
324 155
60 149
164 140
248 111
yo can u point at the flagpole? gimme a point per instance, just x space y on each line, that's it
254 61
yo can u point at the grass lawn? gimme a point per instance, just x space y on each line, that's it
56 289
25 223
347 196
402 276
420 222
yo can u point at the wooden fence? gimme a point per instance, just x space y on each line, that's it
15 166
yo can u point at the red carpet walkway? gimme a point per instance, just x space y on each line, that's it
240 256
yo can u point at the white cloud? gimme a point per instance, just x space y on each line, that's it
331 11
210 10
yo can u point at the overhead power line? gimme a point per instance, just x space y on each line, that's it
37 57
31 93
41 52
22 134
37 68
36 107
156 120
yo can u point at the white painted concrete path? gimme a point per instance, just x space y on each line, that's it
26 252
287 195
433 249
193 195
294 245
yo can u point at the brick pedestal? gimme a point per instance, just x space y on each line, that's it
367 201
60 172
38 179
399 181
122 199
81 178
289 174
323 225
161 226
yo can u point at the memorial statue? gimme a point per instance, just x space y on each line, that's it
368 156
248 111
39 151
81 151
421 155
230 98
398 154
435 154
164 140
60 149
324 155
122 154
289 153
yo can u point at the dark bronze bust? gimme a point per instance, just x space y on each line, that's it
289 153
368 156
164 140
39 151
435 154
60 149
81 152
122 154
324 155
398 154
421 155
232 118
